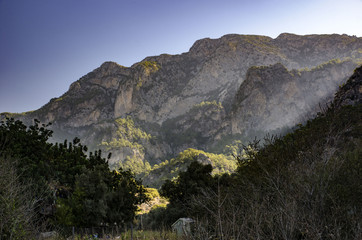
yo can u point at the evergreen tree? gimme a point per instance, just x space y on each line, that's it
86 192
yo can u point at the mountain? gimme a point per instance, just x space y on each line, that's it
303 185
273 97
234 87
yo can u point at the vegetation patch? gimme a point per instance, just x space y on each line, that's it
208 103
169 169
128 135
131 137
262 44
150 66
59 185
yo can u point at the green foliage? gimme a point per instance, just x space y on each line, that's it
121 143
155 201
152 193
128 135
262 44
86 192
127 194
64 215
329 63
136 164
170 169
139 83
219 162
29 146
150 66
127 128
181 190
233 148
58 99
88 201
188 183
104 196
207 103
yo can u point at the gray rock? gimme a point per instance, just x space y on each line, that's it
160 93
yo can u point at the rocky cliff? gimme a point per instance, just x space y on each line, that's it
351 92
272 97
237 84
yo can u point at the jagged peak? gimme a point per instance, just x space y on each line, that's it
287 35
203 46
110 64
106 68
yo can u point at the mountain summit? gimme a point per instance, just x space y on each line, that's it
237 85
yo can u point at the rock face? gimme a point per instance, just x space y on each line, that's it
237 84
197 128
351 92
273 98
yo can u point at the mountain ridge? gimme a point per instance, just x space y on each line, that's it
165 89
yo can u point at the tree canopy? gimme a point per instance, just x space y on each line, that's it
76 188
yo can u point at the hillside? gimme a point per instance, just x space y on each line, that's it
304 185
234 87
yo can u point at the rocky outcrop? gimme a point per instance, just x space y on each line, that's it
312 50
195 129
351 92
272 97
88 101
160 93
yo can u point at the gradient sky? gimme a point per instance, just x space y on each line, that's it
45 45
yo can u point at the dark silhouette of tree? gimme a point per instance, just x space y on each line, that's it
86 192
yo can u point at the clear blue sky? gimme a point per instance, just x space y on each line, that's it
45 45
